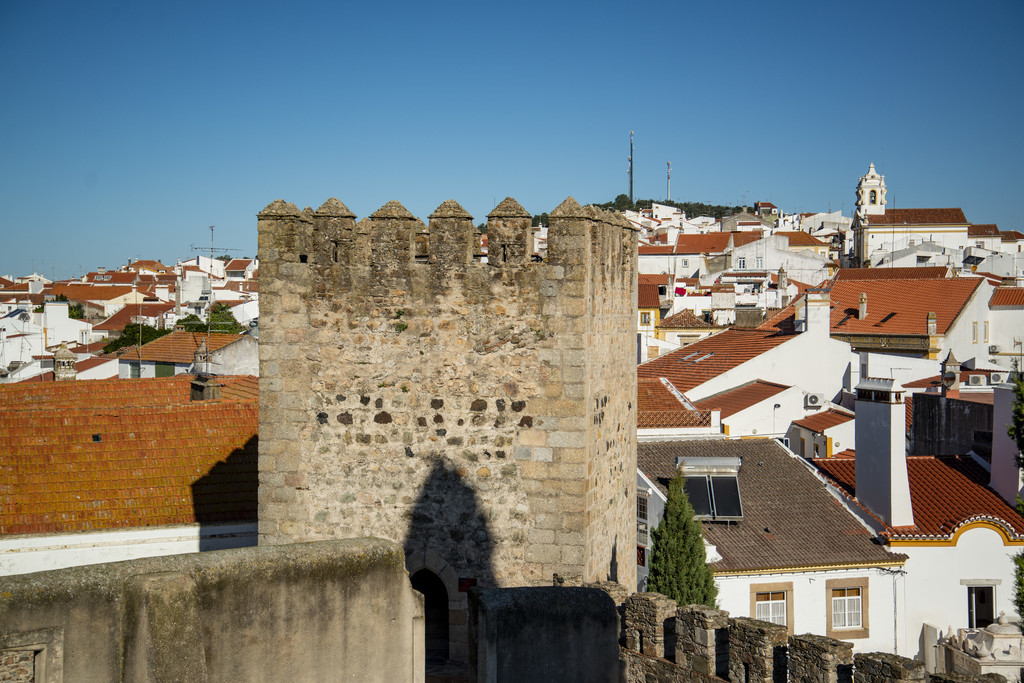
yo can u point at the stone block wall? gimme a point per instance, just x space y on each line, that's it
757 651
17 666
876 667
481 413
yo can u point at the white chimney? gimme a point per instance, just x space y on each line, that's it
814 314
1005 475
883 485
862 307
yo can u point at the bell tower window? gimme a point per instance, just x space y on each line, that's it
873 197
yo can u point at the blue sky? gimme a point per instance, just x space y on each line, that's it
130 127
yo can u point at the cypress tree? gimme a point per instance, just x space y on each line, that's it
678 563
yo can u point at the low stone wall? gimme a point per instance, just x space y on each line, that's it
302 612
879 667
543 634
817 658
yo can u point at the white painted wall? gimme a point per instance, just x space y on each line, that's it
959 338
811 602
43 552
761 419
935 592
813 362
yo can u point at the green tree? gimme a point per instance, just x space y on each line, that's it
134 333
221 320
679 566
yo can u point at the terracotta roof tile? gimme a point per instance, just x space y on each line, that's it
919 217
893 273
826 419
714 242
695 364
1007 296
80 366
802 239
86 292
108 454
180 346
655 394
899 306
945 493
686 320
647 296
654 279
238 264
983 230
124 316
790 519
742 397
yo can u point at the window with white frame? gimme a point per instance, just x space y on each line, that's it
846 608
641 517
645 318
771 606
741 262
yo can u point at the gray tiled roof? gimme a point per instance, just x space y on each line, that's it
790 520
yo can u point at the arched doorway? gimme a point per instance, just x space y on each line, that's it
435 608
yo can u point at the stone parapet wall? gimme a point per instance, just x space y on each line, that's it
484 411
282 613
817 658
876 667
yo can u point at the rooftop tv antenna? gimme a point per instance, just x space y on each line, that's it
630 167
668 185
209 292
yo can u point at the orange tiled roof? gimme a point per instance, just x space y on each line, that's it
107 454
653 394
121 278
919 217
647 296
1011 235
983 230
826 419
714 242
892 273
124 316
899 306
1007 296
686 320
740 398
86 292
238 264
802 239
180 346
695 364
945 494
649 279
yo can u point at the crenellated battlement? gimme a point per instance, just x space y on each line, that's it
395 246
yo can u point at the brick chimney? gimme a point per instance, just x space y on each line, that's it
950 376
883 485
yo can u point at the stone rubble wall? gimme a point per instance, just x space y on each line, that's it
17 666
484 412
711 646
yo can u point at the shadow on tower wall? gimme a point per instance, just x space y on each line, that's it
227 493
447 519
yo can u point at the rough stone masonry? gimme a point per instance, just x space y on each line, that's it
482 413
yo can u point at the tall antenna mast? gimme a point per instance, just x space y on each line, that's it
630 167
668 188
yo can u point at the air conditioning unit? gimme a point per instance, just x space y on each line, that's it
994 348
998 377
814 400
976 380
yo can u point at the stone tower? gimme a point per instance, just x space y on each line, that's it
482 414
871 194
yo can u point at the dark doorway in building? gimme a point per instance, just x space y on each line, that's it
435 607
980 606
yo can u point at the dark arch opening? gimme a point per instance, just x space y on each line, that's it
435 608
